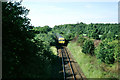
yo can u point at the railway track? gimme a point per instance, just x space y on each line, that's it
71 71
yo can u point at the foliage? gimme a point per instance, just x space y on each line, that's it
44 29
90 65
81 40
107 32
46 35
25 46
103 36
117 53
105 52
15 36
69 31
116 49
95 36
23 55
88 47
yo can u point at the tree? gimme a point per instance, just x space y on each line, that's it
20 49
15 36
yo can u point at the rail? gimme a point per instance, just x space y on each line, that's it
63 51
63 65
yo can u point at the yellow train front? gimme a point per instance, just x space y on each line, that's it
61 40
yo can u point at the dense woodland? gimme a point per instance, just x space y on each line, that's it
26 49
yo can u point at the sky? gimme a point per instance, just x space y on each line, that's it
57 12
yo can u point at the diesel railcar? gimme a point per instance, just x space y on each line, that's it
61 40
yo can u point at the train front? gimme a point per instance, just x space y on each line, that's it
61 40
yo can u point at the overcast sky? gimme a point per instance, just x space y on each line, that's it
57 12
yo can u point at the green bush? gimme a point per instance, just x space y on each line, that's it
105 52
103 36
81 40
88 47
116 49
69 36
95 36
117 53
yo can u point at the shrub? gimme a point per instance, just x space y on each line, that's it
95 36
116 49
81 40
88 47
117 53
105 52
103 36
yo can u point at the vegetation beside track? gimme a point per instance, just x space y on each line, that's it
26 52
26 49
53 68
54 50
91 67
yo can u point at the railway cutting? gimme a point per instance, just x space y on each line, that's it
71 69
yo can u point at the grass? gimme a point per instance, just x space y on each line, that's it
90 66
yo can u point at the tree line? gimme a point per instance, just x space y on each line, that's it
106 51
108 34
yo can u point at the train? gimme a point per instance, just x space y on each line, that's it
61 40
